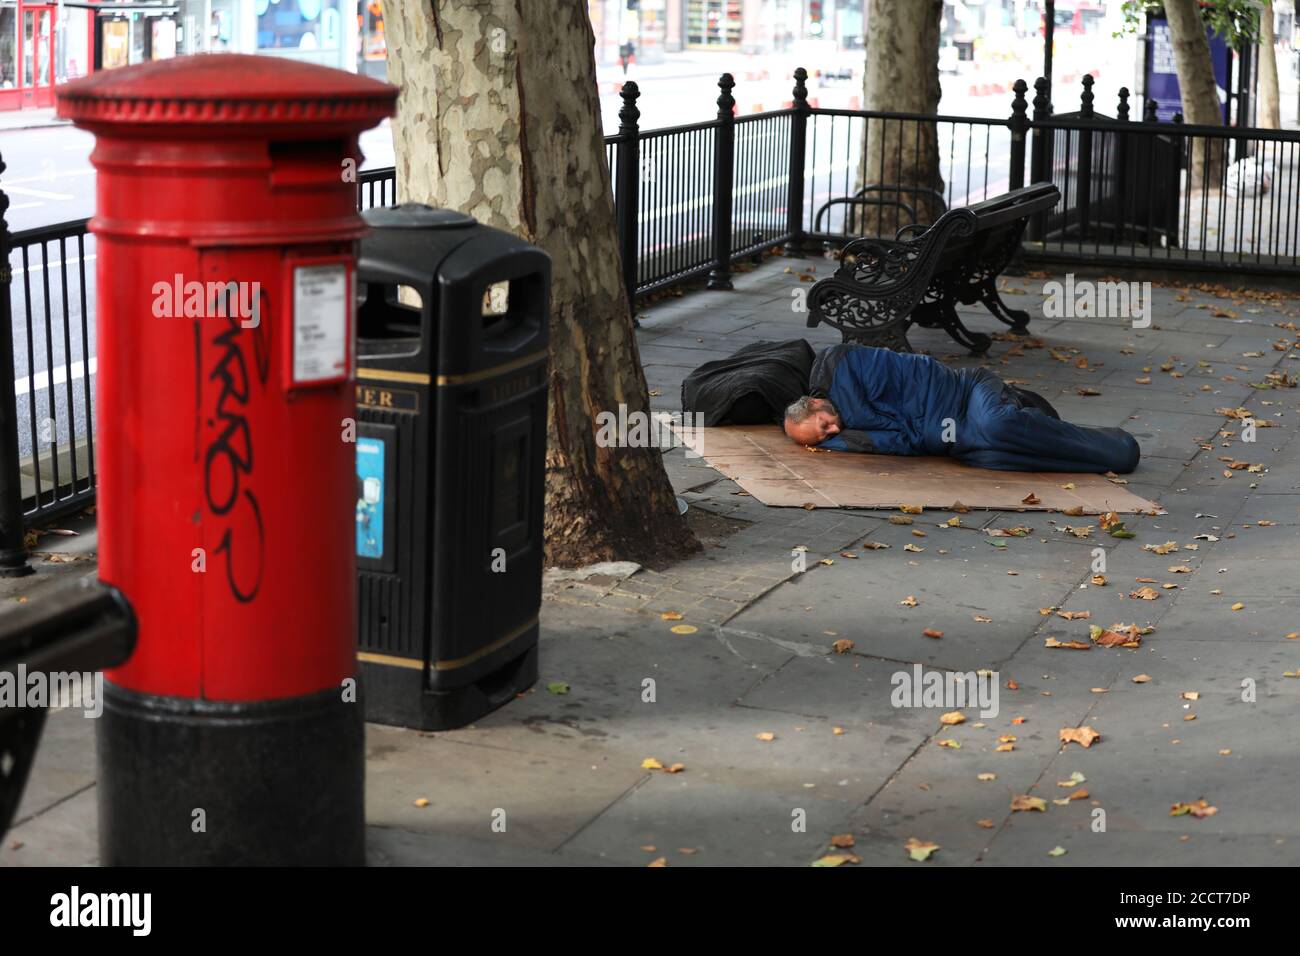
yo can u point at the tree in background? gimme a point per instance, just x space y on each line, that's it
499 117
1238 22
901 75
1270 100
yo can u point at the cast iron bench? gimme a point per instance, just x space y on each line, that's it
84 627
883 286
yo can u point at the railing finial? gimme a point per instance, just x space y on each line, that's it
1042 105
629 114
726 102
800 88
1085 98
1121 111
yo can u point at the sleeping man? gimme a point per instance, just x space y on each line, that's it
895 403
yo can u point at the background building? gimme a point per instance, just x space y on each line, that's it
43 44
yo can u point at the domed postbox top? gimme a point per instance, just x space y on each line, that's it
230 90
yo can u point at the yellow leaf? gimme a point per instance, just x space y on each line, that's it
920 850
909 601
650 763
683 629
1025 802
767 736
952 717
836 859
671 616
422 802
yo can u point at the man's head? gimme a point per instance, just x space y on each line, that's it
810 421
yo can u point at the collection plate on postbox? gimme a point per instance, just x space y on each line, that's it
320 294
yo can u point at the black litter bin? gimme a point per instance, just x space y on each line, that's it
451 441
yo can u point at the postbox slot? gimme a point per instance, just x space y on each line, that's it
306 162
385 324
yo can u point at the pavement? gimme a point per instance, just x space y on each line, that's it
774 739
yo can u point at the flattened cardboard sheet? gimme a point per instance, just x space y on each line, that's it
782 474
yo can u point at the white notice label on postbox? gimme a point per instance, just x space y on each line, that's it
320 322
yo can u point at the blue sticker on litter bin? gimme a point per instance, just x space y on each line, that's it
370 498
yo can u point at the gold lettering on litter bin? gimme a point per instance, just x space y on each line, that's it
388 399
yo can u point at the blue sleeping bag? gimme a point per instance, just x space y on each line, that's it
897 403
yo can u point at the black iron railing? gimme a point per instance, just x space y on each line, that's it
692 200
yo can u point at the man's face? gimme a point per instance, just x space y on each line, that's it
822 424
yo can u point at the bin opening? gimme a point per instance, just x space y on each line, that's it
387 323
511 314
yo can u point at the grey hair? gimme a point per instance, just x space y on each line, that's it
799 410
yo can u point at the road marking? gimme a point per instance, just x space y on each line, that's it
24 386
53 263
39 193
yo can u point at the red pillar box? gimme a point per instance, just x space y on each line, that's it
225 230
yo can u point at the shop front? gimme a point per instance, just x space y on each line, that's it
26 55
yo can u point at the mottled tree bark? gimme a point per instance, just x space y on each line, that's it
499 117
902 76
1199 93
1270 100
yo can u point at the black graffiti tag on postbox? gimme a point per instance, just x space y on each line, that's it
228 457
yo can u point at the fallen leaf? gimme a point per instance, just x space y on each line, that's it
952 717
1072 645
766 736
1199 808
1141 678
422 802
899 519
949 743
920 850
1031 499
1083 736
650 763
842 841
1238 606
683 629
670 616
842 646
981 619
1146 594
1098 580
1056 851
986 824
1076 778
909 601
1074 615
661 862
931 632
557 687
1161 548
876 545
1025 802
